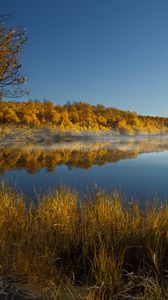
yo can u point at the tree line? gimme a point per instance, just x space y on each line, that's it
78 116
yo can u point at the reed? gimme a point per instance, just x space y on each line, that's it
96 248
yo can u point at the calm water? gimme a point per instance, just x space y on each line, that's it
136 166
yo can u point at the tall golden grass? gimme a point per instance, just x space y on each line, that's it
98 248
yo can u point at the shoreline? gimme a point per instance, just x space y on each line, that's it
48 136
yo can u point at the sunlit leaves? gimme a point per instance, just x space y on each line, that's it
11 43
79 116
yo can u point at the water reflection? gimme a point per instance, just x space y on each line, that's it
138 167
77 154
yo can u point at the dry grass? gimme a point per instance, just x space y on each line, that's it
97 249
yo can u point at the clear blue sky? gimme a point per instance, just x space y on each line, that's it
113 52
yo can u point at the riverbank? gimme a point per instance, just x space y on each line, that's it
43 136
102 248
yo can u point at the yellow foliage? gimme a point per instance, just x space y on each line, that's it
79 116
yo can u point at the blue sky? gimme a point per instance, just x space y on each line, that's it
113 52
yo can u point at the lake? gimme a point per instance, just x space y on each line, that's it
135 166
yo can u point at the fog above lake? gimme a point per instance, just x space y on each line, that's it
137 166
83 152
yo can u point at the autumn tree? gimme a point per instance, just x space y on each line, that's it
11 43
80 116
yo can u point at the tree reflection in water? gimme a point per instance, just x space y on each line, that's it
81 154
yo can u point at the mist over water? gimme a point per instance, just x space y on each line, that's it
136 166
